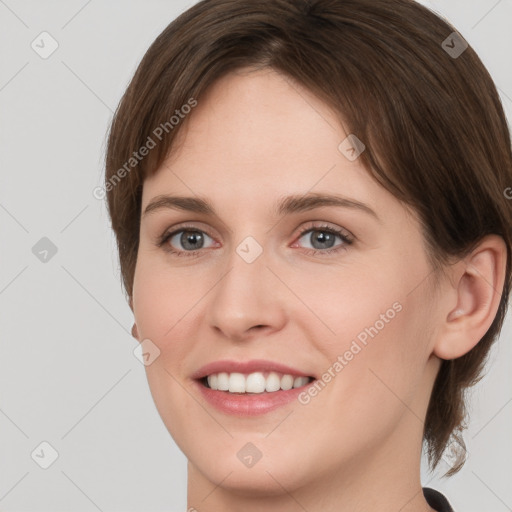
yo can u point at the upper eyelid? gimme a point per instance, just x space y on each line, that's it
304 227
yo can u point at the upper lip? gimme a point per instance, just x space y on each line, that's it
254 365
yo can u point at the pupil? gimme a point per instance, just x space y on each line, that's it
192 238
322 237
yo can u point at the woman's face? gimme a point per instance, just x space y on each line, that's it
267 279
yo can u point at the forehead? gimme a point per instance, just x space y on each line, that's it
254 134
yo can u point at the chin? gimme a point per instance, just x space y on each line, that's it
261 480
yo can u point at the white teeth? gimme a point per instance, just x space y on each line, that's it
254 382
286 382
213 381
222 381
299 381
273 382
236 383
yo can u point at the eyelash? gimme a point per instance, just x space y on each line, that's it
347 240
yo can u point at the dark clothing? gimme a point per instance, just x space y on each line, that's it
437 500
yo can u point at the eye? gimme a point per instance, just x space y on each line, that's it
189 240
322 239
185 241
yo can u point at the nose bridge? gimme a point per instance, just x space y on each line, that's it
243 296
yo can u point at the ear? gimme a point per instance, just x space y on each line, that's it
135 333
475 298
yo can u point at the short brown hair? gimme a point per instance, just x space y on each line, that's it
434 128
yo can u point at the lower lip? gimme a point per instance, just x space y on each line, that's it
249 404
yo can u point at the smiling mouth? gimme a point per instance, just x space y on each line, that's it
254 383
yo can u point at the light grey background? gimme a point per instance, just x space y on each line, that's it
68 375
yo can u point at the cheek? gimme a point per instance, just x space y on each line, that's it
379 337
163 308
383 366
358 302
373 389
162 299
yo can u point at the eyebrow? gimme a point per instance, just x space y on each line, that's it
285 206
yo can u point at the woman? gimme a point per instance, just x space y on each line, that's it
308 199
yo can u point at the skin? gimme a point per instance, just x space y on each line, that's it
252 139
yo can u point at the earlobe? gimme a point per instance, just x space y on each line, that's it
479 288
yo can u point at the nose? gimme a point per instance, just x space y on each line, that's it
247 299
